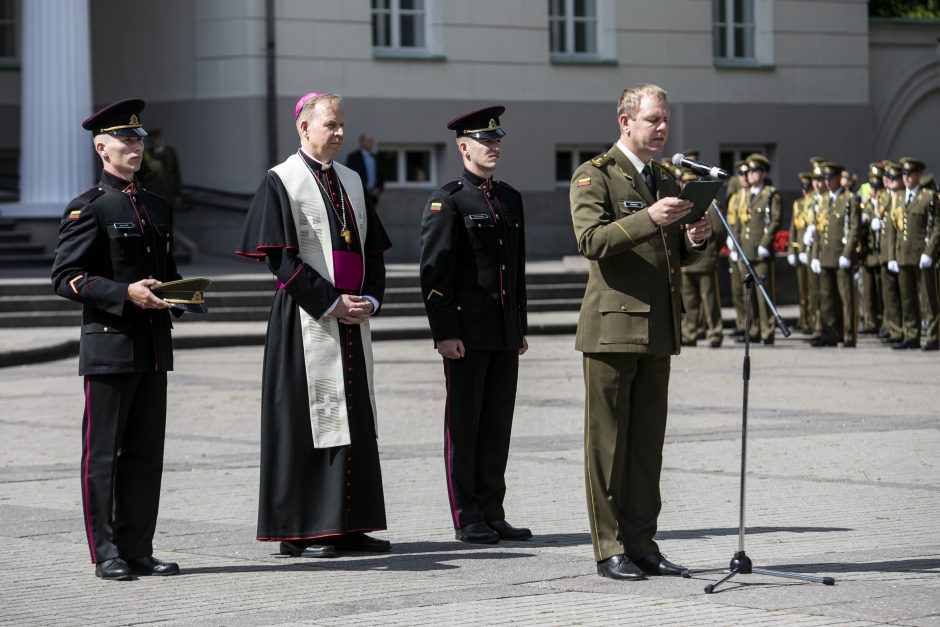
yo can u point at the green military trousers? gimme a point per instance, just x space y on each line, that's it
891 301
701 302
624 428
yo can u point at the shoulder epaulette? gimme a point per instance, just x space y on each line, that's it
90 195
601 160
452 187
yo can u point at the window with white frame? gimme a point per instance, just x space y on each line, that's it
9 40
572 27
734 28
408 165
399 25
568 158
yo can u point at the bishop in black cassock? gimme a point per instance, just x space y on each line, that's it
321 484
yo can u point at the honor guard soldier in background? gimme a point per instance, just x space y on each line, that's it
734 204
833 254
473 282
916 252
758 221
797 258
625 213
700 296
115 244
892 214
873 198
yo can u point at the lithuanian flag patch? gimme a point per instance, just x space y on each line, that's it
585 181
435 206
74 214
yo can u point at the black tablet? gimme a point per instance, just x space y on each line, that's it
701 193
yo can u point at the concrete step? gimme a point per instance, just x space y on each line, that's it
20 249
13 237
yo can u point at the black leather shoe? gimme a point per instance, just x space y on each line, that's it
767 342
115 569
821 341
149 565
848 344
890 340
657 564
905 344
358 541
619 567
688 342
302 549
508 532
931 346
715 344
477 533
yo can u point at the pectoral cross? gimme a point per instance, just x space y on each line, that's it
347 236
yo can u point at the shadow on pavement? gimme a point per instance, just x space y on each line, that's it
692 534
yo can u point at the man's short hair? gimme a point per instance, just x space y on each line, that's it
632 96
307 110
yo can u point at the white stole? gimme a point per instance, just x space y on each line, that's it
326 388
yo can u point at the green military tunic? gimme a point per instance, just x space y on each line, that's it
918 234
700 289
837 227
801 218
628 329
735 201
758 222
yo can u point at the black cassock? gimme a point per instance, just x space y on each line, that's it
308 492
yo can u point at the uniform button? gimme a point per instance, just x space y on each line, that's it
143 223
503 267
125 235
669 252
148 249
150 277
672 289
500 241
623 307
106 329
504 292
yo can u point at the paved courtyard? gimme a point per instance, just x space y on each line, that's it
843 481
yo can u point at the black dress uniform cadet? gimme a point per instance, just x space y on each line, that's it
113 235
473 282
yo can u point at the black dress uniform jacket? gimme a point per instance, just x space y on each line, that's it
473 264
108 239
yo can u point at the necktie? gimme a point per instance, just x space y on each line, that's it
648 178
910 197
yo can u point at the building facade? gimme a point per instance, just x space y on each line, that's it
790 78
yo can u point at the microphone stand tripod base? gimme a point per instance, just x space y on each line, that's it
741 565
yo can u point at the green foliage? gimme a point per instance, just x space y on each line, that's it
910 9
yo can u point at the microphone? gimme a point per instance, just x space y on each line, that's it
699 168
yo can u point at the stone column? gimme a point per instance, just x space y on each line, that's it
56 155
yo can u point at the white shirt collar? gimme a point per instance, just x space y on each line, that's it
325 166
636 161
755 189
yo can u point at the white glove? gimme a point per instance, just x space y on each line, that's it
844 262
729 243
815 266
875 224
864 218
926 261
804 259
893 266
791 259
762 252
733 256
808 235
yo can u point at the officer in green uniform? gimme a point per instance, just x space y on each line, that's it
700 284
833 256
892 214
916 251
796 256
625 213
735 200
873 198
758 221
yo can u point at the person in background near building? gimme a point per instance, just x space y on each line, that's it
700 295
834 252
625 213
891 215
796 257
364 163
735 203
310 223
758 222
160 172
917 248
872 197
115 244
473 282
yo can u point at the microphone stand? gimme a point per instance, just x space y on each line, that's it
740 563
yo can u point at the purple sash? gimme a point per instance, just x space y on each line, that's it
347 270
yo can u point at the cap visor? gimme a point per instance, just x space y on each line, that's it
494 134
130 132
190 307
